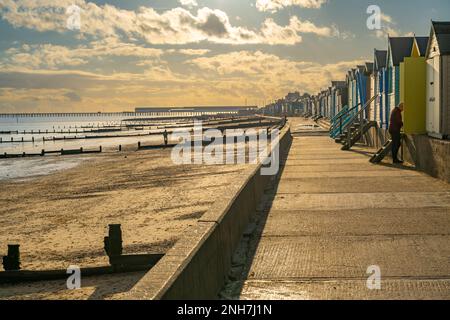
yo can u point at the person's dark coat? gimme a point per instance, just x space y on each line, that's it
396 121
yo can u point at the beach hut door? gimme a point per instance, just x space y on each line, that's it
433 95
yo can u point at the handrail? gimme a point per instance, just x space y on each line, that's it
359 115
344 110
363 108
348 111
338 124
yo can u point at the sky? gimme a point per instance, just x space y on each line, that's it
118 55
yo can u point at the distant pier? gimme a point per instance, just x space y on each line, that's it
119 115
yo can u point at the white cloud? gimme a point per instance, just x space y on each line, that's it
194 52
49 56
189 3
389 28
275 5
175 26
271 72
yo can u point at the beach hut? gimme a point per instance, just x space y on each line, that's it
398 49
413 87
368 71
338 97
437 80
351 84
379 85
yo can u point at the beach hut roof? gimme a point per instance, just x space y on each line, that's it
442 32
338 84
369 67
399 48
380 59
422 43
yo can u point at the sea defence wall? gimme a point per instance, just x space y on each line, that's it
429 155
197 266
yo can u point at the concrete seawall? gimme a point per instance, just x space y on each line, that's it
198 264
427 154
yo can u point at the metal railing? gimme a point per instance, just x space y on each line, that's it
340 121
359 116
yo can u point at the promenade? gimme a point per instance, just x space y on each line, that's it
333 214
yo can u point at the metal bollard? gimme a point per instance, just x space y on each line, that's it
120 147
11 262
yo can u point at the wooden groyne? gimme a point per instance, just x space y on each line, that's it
119 262
43 152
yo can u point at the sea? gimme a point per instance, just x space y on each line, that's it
37 133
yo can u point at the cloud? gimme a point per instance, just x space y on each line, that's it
275 5
176 26
389 28
271 72
228 78
194 52
189 3
73 96
53 57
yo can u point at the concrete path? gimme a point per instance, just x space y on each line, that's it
333 214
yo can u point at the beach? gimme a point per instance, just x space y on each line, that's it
60 219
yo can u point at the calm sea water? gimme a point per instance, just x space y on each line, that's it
26 168
52 124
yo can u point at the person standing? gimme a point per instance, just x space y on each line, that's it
395 127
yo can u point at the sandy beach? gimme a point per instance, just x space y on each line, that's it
60 219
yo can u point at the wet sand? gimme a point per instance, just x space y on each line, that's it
61 219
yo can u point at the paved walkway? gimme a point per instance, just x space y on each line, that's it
334 214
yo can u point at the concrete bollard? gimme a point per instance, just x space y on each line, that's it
113 242
11 262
